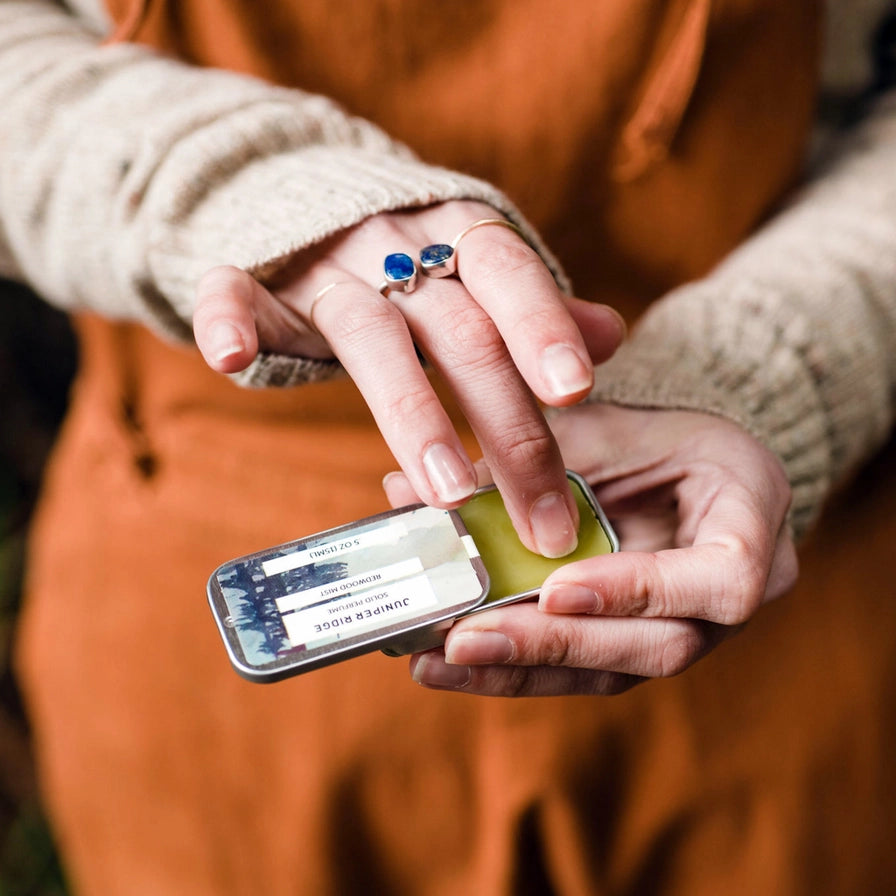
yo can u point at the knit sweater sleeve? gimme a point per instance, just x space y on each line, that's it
794 335
124 176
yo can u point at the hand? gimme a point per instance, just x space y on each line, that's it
700 508
496 335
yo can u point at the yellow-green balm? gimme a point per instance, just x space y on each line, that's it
514 571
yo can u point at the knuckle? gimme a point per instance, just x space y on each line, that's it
519 682
410 404
541 320
554 649
464 338
494 260
365 321
679 648
735 610
466 335
524 446
742 591
640 587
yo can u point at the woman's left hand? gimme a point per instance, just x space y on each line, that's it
700 507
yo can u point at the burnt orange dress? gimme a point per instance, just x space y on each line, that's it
645 139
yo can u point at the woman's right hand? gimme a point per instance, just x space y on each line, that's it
501 335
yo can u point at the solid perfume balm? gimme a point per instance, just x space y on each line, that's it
513 570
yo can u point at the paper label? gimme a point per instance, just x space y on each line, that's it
349 582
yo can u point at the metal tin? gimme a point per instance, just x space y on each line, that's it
394 582
345 591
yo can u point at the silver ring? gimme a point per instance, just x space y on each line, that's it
400 271
440 259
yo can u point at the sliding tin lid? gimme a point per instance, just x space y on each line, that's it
346 591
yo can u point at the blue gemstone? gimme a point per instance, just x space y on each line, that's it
436 254
399 266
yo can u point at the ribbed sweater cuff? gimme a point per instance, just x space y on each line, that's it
279 205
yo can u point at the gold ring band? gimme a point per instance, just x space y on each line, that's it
314 302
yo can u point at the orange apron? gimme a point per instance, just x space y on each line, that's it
663 132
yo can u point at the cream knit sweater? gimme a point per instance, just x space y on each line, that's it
117 169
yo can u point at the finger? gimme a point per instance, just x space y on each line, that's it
523 635
511 282
516 651
483 473
468 352
785 566
431 671
602 327
235 316
721 583
224 319
399 490
363 328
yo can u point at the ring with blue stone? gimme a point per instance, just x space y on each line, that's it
440 259
400 272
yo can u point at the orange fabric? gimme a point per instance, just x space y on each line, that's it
572 114
764 769
759 771
647 135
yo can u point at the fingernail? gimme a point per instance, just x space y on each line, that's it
568 598
397 489
450 475
564 371
432 671
224 341
552 526
393 478
479 648
620 320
